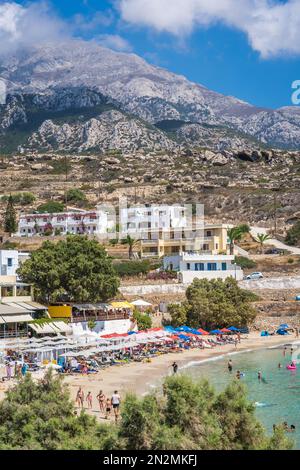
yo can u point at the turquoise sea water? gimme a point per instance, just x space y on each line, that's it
277 395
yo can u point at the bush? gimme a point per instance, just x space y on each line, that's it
23 199
51 207
245 263
132 268
143 320
162 276
76 195
293 235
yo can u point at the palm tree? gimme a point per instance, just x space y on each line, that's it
234 234
131 242
261 239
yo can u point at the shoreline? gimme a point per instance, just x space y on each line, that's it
142 377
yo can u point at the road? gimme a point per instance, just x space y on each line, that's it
276 243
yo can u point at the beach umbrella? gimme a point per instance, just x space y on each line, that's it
233 328
202 332
226 330
216 332
51 366
284 326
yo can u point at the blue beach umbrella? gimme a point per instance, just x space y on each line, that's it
216 332
233 328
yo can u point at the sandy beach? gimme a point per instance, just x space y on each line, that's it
142 377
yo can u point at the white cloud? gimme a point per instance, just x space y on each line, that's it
114 41
272 27
26 26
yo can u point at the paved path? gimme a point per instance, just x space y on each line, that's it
276 243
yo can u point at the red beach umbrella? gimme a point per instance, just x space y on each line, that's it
203 332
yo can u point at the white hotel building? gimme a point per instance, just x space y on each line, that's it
76 222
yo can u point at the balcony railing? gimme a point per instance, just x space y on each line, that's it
100 317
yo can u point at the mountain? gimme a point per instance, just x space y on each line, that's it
79 96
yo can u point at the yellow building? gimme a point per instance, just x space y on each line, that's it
212 239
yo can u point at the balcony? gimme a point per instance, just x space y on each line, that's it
103 316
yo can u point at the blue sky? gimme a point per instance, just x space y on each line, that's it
226 49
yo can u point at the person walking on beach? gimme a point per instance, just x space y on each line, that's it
239 336
230 365
175 367
80 398
108 408
115 401
89 400
235 343
101 400
8 371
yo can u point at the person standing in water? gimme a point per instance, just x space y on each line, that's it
259 376
230 365
175 367
284 351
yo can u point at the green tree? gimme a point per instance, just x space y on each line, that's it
293 234
10 219
234 235
262 238
192 416
76 195
143 320
217 303
51 207
178 314
40 416
131 242
76 268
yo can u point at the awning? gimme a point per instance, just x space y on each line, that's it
63 327
21 306
17 318
8 309
141 303
121 304
43 329
36 305
51 328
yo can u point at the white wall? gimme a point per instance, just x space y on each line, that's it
5 255
187 277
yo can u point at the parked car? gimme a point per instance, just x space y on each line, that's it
253 276
274 251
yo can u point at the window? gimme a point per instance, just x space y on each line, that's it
212 266
199 266
208 233
9 262
205 247
188 266
224 266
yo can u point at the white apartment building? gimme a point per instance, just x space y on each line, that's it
62 223
195 265
150 222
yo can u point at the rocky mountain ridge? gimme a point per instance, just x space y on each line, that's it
144 94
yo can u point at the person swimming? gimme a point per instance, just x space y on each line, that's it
279 366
